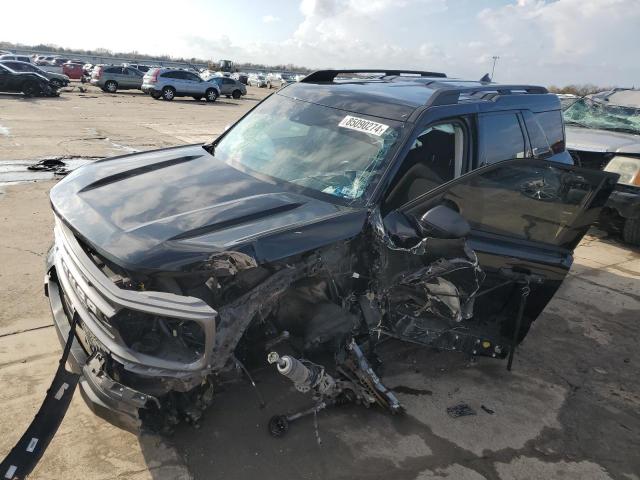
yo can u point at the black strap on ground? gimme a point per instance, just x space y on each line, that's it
524 294
27 453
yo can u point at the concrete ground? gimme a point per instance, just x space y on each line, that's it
569 410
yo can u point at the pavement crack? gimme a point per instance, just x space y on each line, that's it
25 250
17 332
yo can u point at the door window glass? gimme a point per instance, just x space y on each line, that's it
501 138
533 200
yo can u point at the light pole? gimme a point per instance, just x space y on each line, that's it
495 59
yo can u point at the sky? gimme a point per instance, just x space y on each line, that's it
550 42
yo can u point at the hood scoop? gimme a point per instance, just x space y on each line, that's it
137 171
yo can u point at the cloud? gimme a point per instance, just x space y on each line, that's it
270 19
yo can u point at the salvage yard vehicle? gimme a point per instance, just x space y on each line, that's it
111 78
168 83
230 87
15 58
30 84
57 80
257 80
603 132
347 208
278 80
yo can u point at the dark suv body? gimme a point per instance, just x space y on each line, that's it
342 209
28 83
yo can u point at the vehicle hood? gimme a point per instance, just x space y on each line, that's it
602 141
171 209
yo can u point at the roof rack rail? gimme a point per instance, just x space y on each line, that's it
330 75
451 96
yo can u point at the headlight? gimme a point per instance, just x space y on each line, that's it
627 167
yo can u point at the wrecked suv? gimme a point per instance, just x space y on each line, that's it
343 210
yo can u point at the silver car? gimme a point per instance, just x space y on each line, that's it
111 78
277 80
230 87
168 83
57 80
257 80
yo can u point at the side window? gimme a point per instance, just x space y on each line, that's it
192 76
435 157
501 138
228 81
552 126
169 75
113 70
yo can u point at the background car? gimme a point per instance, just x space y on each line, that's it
277 80
241 77
230 87
44 60
73 70
28 83
57 80
257 80
169 83
18 58
603 133
58 61
137 66
111 78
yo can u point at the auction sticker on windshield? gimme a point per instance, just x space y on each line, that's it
363 125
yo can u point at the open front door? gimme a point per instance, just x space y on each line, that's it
526 217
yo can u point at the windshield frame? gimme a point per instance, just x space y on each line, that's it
368 196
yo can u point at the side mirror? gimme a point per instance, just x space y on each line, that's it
443 222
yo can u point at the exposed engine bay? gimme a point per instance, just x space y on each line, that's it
331 305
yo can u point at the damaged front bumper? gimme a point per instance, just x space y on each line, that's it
75 286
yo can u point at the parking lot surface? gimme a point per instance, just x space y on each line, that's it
569 409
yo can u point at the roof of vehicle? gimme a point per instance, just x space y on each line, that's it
620 96
397 94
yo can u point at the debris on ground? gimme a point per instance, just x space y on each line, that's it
460 410
487 409
54 165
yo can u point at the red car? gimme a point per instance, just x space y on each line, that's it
72 70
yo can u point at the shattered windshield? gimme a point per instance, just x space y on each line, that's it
316 147
589 113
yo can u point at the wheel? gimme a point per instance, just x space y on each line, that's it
29 89
278 426
197 97
111 86
155 95
168 93
211 95
631 231
269 85
236 94
55 83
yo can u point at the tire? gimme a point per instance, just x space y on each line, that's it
269 85
155 96
236 94
111 86
211 95
197 98
30 89
168 93
55 83
631 231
